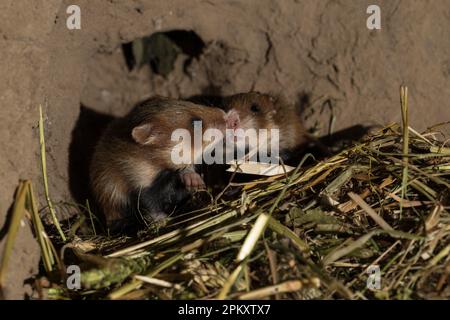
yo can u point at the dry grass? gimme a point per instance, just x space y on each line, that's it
312 234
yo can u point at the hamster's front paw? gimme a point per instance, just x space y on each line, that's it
193 181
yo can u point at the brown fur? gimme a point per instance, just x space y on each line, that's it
269 112
135 148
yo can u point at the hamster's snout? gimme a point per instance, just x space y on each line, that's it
232 119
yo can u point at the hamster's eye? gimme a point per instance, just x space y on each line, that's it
194 120
255 108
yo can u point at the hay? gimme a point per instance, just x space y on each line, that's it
316 233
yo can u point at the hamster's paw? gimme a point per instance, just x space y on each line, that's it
193 181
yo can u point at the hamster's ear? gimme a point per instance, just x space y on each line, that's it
232 119
143 134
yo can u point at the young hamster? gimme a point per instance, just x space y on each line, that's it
132 174
263 111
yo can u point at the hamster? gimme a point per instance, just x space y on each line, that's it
263 111
132 175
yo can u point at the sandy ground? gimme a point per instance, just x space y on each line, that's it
321 50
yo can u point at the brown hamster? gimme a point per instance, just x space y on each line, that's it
132 174
263 111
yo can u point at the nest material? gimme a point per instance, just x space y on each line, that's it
326 230
315 233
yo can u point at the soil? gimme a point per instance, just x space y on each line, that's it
318 54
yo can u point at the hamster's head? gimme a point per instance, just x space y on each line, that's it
256 110
184 128
265 111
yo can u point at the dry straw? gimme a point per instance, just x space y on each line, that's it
309 234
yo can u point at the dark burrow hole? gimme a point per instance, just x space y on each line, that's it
161 49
